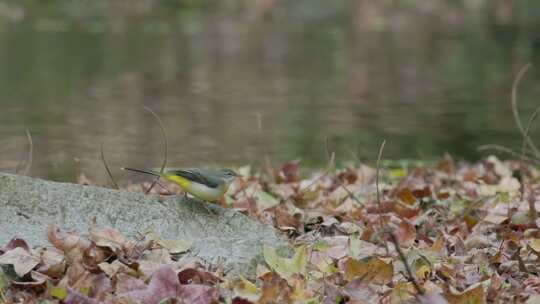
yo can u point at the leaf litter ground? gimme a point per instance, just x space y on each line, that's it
442 233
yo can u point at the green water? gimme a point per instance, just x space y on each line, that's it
427 76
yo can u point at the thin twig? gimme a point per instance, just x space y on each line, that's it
411 277
328 169
164 188
327 148
109 173
517 119
379 204
350 194
30 153
165 150
508 151
268 163
532 208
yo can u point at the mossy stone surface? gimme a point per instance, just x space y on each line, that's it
29 205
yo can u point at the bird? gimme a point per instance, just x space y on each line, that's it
205 184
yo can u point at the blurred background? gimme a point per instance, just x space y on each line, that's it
234 80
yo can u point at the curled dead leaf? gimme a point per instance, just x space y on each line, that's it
23 261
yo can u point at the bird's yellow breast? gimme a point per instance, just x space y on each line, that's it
198 190
182 182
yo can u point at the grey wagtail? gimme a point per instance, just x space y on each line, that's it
205 184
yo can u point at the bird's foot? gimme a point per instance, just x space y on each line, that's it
213 213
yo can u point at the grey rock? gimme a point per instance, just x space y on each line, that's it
29 205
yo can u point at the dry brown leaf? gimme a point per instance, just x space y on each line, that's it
406 196
473 295
109 237
372 270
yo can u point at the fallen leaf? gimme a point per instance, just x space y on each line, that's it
432 298
173 246
52 263
197 276
198 294
300 292
59 293
405 233
246 290
68 242
286 267
126 283
372 269
23 262
163 285
289 172
360 249
473 295
264 199
402 292
274 290
14 243
108 237
406 196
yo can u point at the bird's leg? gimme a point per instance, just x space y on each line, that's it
207 208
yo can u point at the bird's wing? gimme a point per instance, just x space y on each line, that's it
197 176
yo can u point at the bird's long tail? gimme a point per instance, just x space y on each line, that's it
154 173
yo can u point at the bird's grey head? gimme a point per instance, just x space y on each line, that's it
228 174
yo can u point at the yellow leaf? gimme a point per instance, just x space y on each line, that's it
265 199
397 173
403 291
85 290
247 286
247 290
535 245
321 245
422 273
326 267
371 269
58 292
438 244
286 267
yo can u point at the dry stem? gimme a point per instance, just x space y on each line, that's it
165 151
109 173
30 153
517 119
410 274
381 221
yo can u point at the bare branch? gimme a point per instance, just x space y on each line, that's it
509 151
30 153
410 274
109 173
515 111
268 163
165 150
532 208
328 169
381 221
